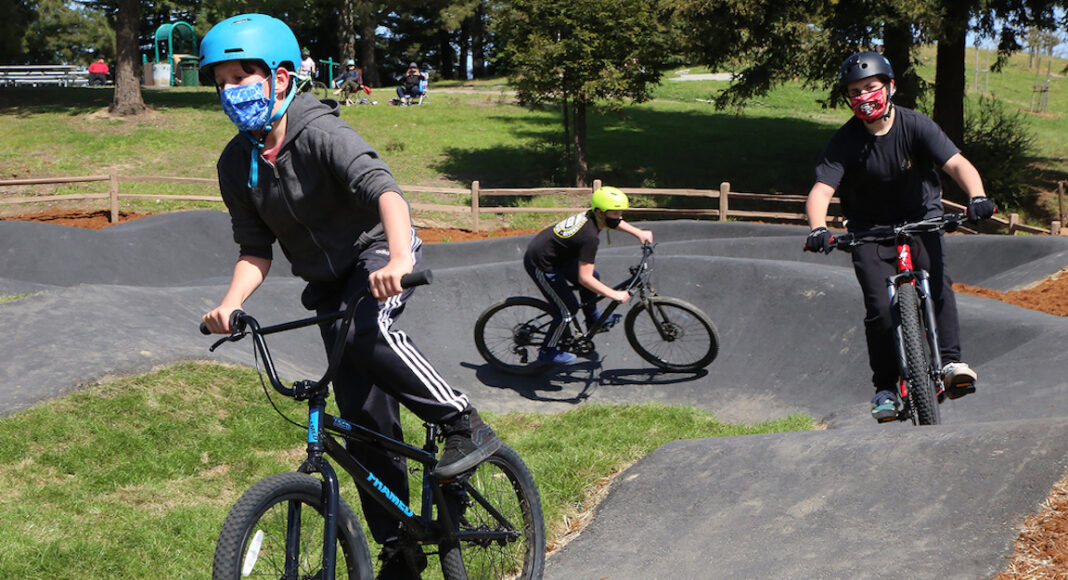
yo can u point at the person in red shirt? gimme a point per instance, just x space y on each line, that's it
98 72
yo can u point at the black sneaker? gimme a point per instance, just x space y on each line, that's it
468 442
401 562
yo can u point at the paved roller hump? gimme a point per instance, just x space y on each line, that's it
855 500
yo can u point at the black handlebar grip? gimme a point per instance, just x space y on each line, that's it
233 322
420 278
204 328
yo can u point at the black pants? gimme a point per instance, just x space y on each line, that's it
873 264
380 367
557 289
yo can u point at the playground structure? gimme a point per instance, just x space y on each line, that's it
176 62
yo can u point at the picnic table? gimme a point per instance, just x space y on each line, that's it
65 75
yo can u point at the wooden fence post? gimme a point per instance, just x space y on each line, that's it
724 192
474 202
596 184
1055 228
113 195
1014 222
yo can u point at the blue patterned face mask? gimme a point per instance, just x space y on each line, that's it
246 105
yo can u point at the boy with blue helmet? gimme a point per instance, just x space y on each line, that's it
299 175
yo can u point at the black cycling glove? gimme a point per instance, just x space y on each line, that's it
820 240
980 208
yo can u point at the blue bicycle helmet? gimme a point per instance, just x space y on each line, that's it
256 37
251 37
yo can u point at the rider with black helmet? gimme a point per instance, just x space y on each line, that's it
884 165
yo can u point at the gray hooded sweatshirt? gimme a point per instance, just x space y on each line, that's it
318 197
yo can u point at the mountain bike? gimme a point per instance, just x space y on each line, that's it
670 333
915 329
486 523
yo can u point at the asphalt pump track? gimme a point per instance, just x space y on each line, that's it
855 500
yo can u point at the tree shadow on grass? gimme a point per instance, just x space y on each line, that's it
74 101
656 148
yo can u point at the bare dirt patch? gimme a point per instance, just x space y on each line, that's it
1042 547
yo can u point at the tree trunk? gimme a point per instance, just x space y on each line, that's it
950 74
581 166
368 22
465 48
346 30
478 40
898 41
567 131
128 99
445 55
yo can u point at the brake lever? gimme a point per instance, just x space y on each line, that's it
232 338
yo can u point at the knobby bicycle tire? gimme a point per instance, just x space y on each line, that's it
509 334
319 89
501 516
252 542
672 334
922 395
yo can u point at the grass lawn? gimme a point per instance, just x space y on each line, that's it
676 140
132 478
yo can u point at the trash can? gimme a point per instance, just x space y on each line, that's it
189 67
161 74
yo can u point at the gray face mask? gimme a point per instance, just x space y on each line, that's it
612 223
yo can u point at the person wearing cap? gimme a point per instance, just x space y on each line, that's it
297 174
98 72
409 87
884 165
562 258
349 81
308 68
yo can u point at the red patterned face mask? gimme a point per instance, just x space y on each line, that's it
871 105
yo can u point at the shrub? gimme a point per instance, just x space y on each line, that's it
1002 147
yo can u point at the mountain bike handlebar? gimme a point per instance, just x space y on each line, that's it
947 222
242 325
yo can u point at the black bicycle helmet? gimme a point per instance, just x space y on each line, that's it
863 65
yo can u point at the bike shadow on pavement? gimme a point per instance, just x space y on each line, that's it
577 382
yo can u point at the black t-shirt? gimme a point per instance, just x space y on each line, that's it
887 179
571 239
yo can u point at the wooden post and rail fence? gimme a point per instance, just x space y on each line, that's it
720 200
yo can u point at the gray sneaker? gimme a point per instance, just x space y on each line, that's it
468 442
959 379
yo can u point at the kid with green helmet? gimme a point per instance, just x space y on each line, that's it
299 175
561 257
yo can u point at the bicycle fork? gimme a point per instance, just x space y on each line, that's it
315 463
920 279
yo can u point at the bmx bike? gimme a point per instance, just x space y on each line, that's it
486 523
913 313
670 333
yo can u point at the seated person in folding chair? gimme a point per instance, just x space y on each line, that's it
412 86
349 81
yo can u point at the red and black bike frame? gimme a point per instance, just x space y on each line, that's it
906 274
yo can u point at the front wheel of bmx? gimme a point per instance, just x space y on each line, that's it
275 530
672 334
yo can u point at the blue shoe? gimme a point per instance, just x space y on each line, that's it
885 406
556 357
608 323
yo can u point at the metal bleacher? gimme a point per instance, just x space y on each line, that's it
41 75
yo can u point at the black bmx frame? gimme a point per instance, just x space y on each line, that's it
322 430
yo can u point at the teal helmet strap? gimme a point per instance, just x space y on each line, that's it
258 144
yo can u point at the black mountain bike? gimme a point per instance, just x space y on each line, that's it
486 523
672 334
915 329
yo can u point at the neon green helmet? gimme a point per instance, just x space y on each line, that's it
609 198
